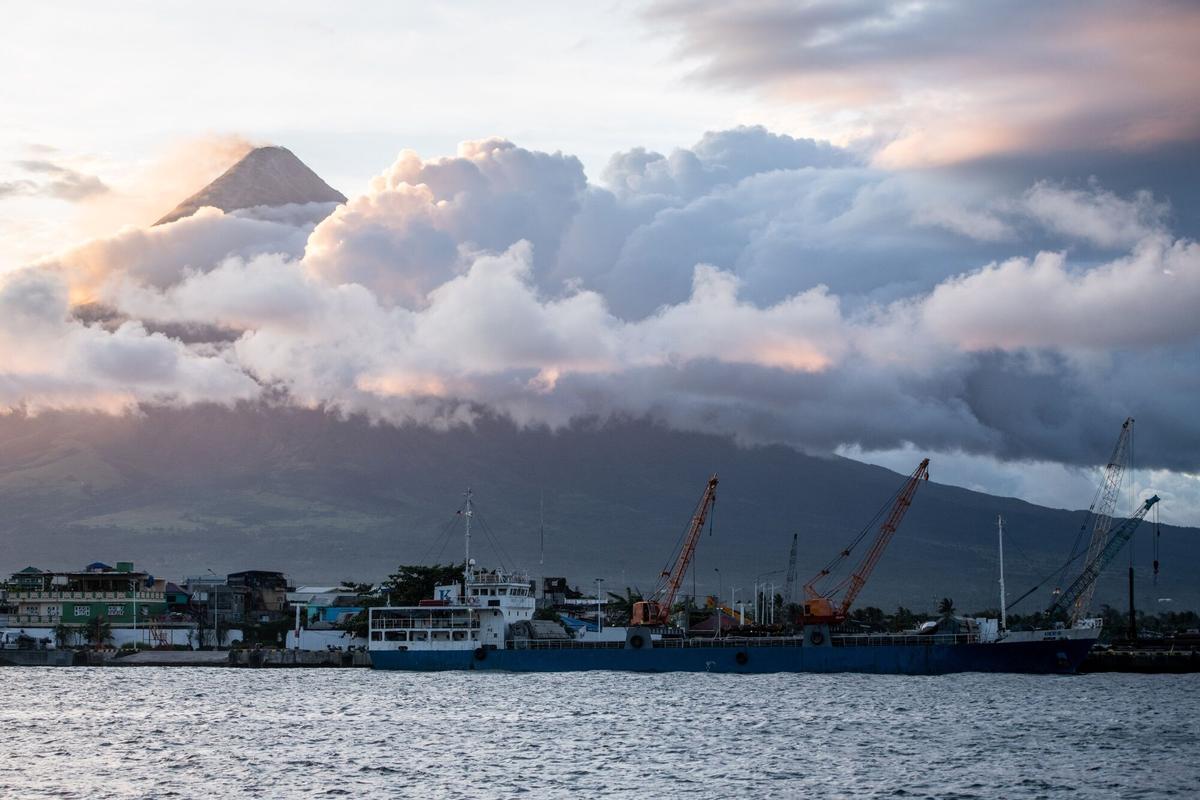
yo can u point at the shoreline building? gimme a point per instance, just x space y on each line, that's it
131 603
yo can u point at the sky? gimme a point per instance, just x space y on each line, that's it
875 229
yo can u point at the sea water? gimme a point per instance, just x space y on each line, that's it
218 733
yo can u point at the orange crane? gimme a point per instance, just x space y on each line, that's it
822 606
657 608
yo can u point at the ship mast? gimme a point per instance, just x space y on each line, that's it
540 589
1000 534
467 559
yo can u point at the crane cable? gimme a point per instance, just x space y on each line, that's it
845 553
1046 580
443 535
506 561
677 550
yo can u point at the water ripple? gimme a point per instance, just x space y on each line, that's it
175 732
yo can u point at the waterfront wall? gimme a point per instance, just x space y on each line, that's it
174 637
324 640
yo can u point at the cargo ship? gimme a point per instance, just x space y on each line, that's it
491 627
487 621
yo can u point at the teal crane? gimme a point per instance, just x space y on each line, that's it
1083 586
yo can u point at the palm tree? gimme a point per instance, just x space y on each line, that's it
97 632
620 609
946 608
64 635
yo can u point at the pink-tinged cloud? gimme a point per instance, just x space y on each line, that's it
940 82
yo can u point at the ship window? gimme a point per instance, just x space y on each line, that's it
419 636
493 603
441 636
376 636
502 590
460 636
393 636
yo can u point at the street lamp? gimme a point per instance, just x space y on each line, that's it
212 599
761 607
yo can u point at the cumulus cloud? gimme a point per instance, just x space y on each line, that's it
719 158
940 82
162 255
51 360
1145 299
1094 215
757 285
403 237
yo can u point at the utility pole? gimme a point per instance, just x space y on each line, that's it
720 591
1132 612
599 610
133 585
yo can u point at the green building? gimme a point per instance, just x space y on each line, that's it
123 596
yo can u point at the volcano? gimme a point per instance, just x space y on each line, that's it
266 176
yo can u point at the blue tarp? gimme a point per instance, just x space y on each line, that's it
575 624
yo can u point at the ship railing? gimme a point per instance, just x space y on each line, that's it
836 641
380 623
565 644
892 640
490 578
732 641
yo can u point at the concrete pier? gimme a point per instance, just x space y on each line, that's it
1142 660
241 658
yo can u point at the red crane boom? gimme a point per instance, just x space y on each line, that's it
657 609
822 606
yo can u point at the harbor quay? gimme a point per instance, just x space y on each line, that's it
120 616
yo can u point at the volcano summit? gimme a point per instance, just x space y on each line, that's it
266 176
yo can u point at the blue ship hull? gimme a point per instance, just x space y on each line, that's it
1038 657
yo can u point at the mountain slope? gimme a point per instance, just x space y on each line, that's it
266 176
185 490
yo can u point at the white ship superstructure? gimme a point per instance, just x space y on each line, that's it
472 615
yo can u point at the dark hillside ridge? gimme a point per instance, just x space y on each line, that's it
180 491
